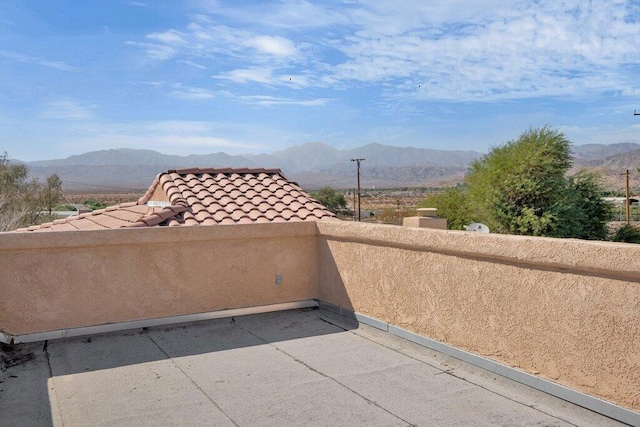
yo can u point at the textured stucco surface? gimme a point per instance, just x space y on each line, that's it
425 222
566 310
53 281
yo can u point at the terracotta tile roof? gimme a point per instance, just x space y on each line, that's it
195 196
234 196
124 215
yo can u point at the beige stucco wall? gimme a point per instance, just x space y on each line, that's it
425 222
566 310
63 280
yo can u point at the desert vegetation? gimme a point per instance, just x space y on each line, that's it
522 187
25 200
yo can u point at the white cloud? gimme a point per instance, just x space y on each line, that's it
156 83
18 57
68 109
264 100
601 135
192 64
273 45
246 75
497 53
192 93
169 37
296 14
156 51
165 143
175 127
51 139
452 51
171 136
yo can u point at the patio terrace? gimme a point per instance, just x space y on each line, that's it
300 367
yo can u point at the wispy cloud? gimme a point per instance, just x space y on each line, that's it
502 52
442 51
168 37
193 93
600 135
245 75
191 64
156 51
170 137
175 127
287 15
165 143
18 57
278 46
68 109
264 100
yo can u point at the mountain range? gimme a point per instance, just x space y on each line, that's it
313 165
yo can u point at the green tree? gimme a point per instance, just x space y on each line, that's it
628 234
19 196
582 212
452 204
516 186
93 204
521 188
52 192
333 200
22 198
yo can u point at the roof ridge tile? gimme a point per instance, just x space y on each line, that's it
145 198
244 170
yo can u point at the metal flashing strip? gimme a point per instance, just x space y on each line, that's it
161 321
592 403
5 339
372 322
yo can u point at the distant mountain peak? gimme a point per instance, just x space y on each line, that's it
600 151
315 162
314 144
312 164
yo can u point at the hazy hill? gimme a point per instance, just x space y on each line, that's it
314 165
612 167
133 157
627 160
384 155
601 151
309 156
106 178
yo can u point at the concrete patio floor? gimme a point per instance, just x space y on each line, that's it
300 367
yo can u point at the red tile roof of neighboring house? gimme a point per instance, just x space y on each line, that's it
197 196
124 215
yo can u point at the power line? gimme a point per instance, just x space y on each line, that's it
104 186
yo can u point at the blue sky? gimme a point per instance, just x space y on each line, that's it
184 77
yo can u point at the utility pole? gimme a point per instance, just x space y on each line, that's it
627 174
358 163
354 205
627 193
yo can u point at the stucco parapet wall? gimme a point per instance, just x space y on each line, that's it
64 280
153 235
607 259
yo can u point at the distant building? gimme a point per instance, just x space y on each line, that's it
193 196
